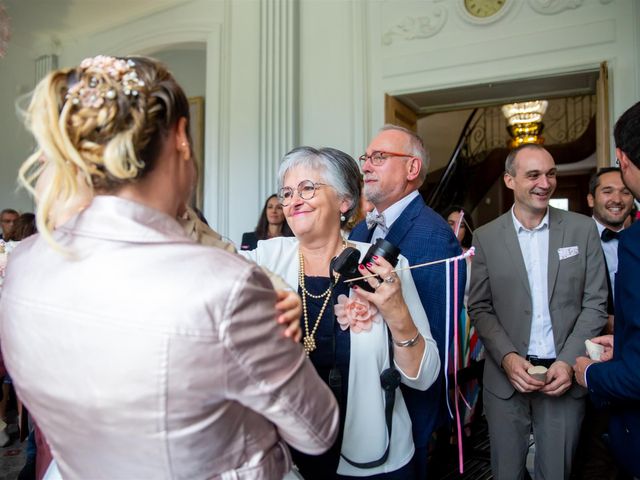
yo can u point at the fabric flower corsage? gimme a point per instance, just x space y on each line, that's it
355 312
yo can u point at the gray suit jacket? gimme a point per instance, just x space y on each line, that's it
500 299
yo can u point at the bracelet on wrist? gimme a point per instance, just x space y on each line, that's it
407 343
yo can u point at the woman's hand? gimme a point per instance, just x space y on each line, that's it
387 294
390 302
289 307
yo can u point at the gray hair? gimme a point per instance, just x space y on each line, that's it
416 148
509 166
338 169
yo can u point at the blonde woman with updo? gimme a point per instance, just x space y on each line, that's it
140 353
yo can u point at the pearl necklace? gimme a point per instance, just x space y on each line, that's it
309 342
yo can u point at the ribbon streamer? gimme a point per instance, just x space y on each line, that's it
447 315
469 253
459 222
455 364
456 340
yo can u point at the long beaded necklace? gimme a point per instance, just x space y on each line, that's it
309 342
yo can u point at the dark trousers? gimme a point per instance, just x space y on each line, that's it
420 458
594 460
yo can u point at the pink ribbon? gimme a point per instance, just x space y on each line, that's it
455 365
457 393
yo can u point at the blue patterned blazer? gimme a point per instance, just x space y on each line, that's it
423 236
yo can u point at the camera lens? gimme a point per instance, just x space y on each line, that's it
381 248
346 264
384 249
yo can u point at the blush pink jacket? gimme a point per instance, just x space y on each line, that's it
145 355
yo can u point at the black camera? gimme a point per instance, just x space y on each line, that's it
346 264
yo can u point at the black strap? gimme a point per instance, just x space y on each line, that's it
335 377
543 362
390 381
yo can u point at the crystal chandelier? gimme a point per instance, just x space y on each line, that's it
525 121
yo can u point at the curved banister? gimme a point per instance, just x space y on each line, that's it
448 173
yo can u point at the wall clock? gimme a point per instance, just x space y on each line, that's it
483 8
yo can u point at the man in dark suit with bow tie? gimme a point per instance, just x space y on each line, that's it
394 167
611 202
615 383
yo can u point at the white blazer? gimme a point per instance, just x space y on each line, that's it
365 431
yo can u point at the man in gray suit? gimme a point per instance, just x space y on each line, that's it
538 291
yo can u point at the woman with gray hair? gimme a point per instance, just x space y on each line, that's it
352 336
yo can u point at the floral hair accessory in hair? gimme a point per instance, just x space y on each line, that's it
94 87
356 313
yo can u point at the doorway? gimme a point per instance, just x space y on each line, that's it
577 134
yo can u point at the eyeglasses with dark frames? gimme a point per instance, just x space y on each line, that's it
377 158
306 190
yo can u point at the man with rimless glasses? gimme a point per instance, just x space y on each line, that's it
394 167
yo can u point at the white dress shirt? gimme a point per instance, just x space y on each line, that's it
534 245
610 250
392 213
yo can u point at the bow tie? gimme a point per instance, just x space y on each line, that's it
374 219
608 235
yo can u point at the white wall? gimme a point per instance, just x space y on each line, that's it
188 66
242 123
532 38
351 52
16 80
331 73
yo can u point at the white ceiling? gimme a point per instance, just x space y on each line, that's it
60 20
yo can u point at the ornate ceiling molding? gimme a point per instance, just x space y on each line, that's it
552 7
416 28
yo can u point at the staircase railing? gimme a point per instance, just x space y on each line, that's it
478 157
449 172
